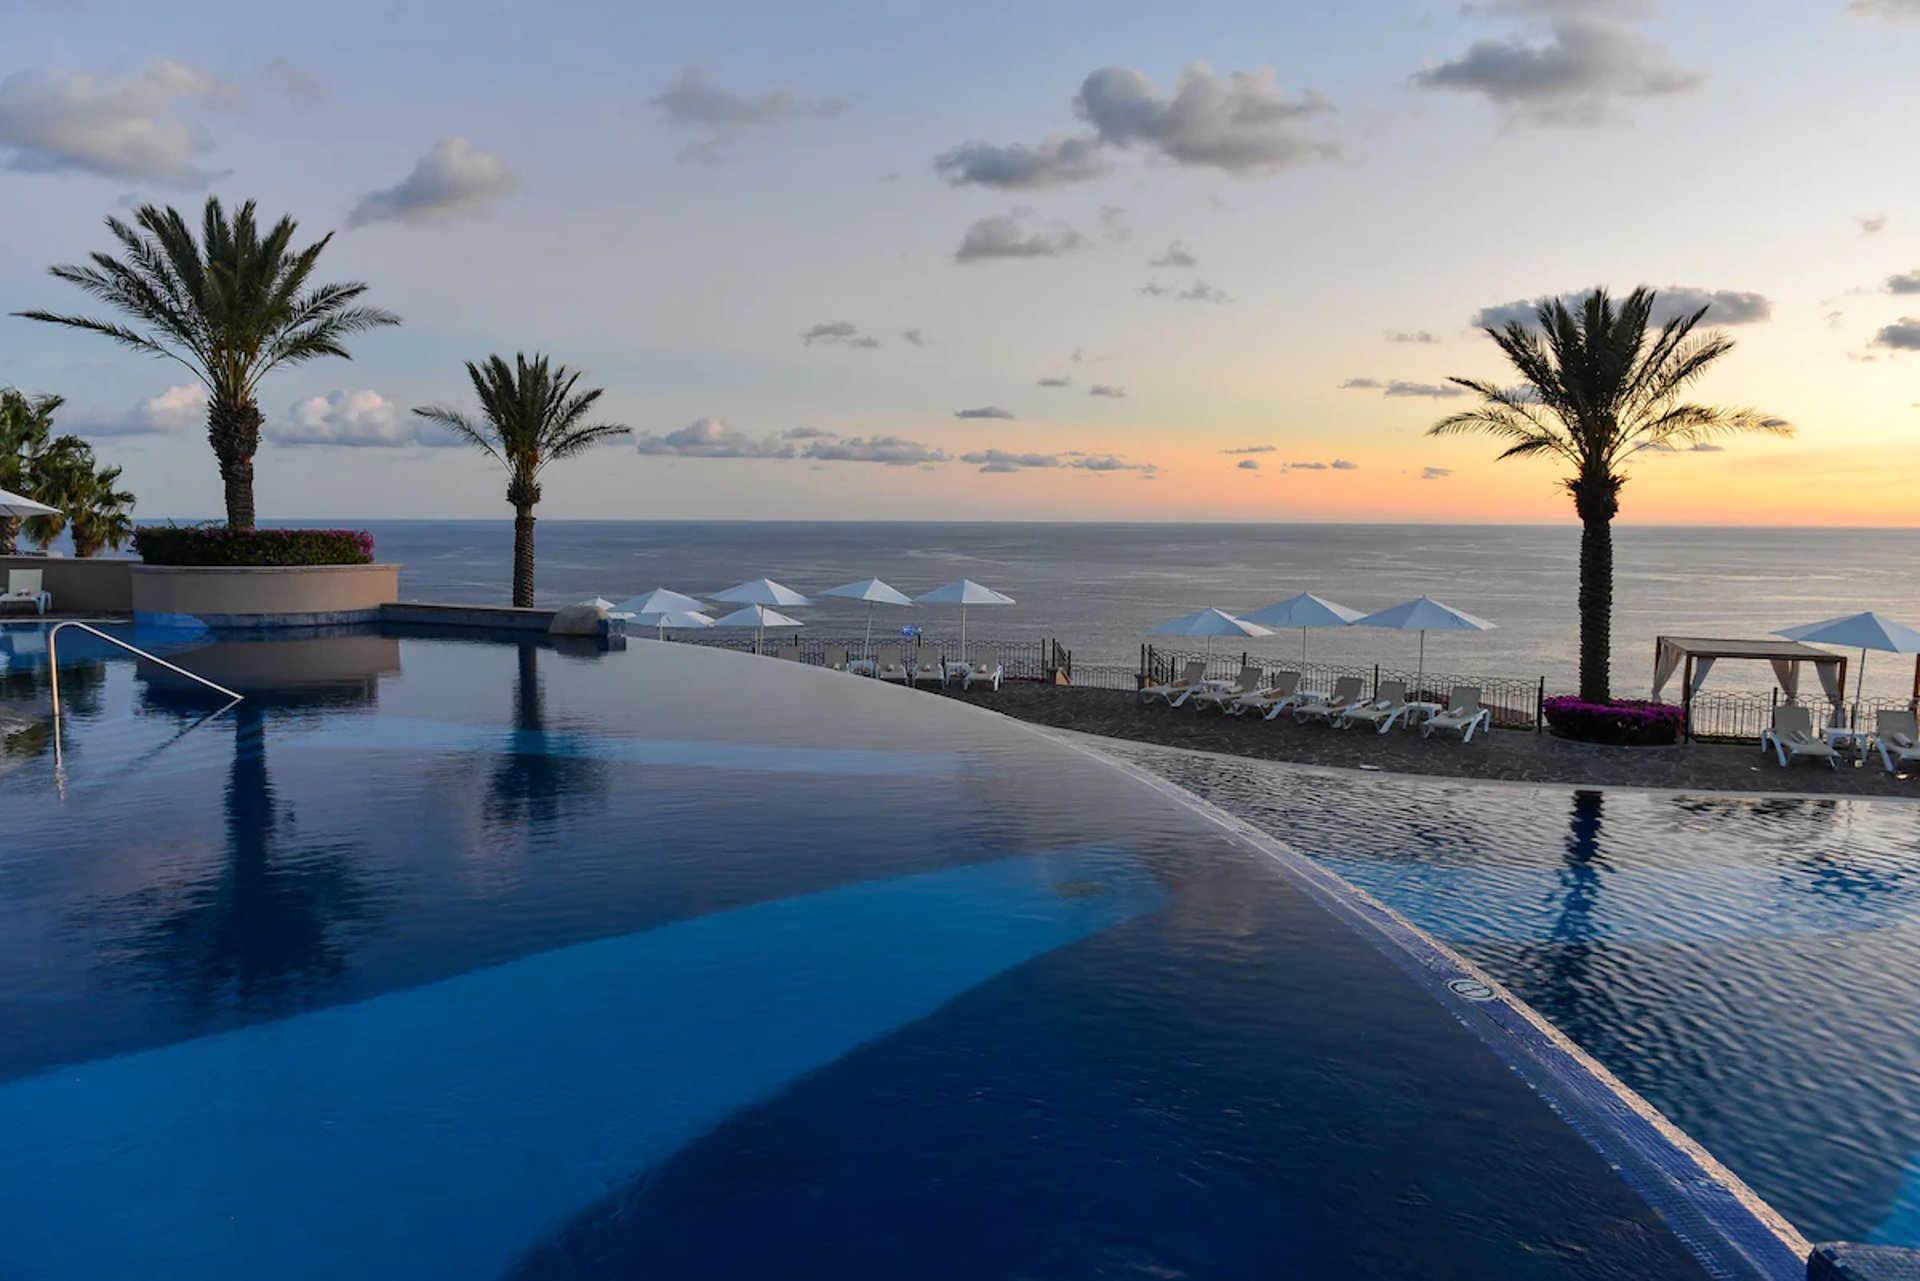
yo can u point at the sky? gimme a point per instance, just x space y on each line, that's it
1070 261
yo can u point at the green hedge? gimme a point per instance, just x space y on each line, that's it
218 545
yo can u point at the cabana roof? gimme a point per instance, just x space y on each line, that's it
1700 647
1698 654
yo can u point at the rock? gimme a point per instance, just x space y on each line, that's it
589 618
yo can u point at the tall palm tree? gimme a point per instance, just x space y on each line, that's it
530 416
1596 389
231 306
26 433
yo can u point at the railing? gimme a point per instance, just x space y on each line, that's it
1020 660
53 673
1740 716
1514 702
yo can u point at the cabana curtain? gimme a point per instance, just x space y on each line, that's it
1785 657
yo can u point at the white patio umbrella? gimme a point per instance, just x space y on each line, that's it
661 619
763 591
1304 611
12 504
758 617
1424 615
660 599
964 592
875 593
1209 623
1864 632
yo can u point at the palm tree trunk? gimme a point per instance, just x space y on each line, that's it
523 556
233 428
9 535
1596 502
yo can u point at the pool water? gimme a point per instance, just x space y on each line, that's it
438 957
1749 965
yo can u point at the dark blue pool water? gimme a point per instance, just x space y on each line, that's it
1751 966
449 959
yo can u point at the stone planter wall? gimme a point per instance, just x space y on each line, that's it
262 596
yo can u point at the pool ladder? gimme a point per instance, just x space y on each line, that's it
53 671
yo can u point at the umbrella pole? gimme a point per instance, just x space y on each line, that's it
1859 686
1421 678
1303 648
869 645
963 633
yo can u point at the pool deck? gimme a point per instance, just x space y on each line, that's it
1504 755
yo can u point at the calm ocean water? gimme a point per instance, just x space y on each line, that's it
1097 587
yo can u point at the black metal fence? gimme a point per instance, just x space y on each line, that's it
1720 715
1515 703
1740 716
1020 660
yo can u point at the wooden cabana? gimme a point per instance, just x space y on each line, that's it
1694 657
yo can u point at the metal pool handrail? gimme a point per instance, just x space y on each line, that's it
53 671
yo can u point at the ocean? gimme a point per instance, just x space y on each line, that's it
1098 587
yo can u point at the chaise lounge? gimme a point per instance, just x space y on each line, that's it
1791 736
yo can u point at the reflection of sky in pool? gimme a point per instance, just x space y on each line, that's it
1751 966
452 959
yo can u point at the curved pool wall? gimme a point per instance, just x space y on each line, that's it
469 959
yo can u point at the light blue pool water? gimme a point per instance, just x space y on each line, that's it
443 958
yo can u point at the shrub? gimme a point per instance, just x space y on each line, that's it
1627 722
219 545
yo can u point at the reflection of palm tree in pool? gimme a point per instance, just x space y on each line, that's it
266 923
532 779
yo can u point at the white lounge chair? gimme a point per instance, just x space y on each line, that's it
791 653
836 658
1791 736
984 669
1346 692
889 664
1898 738
1281 692
1388 704
1221 695
930 668
1190 677
1463 715
23 588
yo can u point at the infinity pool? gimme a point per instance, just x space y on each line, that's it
1749 965
450 959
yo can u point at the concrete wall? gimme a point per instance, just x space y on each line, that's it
93 586
263 596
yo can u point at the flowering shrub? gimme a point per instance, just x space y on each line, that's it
218 545
1630 722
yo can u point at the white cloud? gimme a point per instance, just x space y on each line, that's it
1003 236
694 103
711 438
1177 255
894 451
1419 336
1430 391
1055 382
1724 307
842 333
1253 449
1018 167
1905 283
1242 124
58 121
985 411
1435 473
1871 224
1107 391
1575 69
173 411
1361 384
1902 335
454 180
360 419
1248 464
301 89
